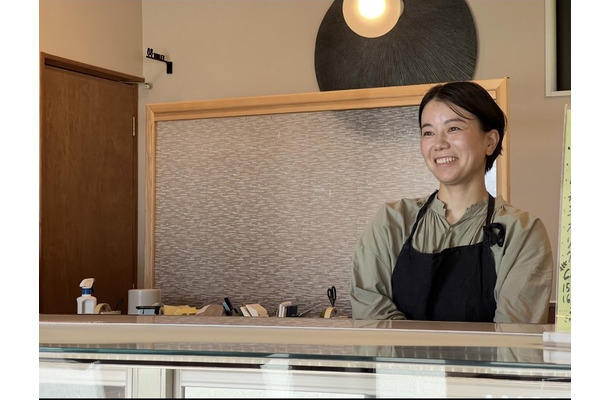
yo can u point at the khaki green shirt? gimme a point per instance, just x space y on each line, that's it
524 265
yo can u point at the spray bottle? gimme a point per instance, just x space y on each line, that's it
86 302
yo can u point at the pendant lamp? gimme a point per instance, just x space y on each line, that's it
372 18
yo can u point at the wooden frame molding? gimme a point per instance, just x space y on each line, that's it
293 103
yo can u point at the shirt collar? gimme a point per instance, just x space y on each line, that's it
474 210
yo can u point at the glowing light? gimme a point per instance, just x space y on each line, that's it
372 18
371 9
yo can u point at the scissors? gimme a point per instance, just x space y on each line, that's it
331 292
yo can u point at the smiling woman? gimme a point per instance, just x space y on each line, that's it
459 254
449 143
458 146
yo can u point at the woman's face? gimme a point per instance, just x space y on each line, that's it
454 147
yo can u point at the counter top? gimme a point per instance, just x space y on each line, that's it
342 331
204 356
391 340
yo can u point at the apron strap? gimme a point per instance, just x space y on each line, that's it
421 212
489 230
494 233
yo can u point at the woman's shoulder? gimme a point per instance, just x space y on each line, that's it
404 206
510 214
398 212
415 202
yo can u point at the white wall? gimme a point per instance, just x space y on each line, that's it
234 48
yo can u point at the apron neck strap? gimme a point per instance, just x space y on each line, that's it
422 211
494 233
489 229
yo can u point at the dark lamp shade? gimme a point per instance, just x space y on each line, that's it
433 41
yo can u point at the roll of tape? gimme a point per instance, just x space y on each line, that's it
330 312
101 308
142 297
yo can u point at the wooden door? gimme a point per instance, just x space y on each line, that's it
88 184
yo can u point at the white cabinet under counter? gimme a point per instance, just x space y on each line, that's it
193 356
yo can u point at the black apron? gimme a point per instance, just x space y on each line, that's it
456 284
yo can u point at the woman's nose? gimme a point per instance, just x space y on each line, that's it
440 142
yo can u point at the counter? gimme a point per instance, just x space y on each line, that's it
195 356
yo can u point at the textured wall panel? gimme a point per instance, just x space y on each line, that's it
264 209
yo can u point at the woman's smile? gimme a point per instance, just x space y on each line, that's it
445 160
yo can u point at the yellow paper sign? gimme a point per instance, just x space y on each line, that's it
564 308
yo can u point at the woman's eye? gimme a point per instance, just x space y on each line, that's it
453 129
426 133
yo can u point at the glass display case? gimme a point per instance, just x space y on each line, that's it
194 357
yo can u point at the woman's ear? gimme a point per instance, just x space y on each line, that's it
493 138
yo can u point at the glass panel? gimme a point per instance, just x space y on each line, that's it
69 379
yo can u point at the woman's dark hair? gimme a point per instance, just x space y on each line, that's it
471 97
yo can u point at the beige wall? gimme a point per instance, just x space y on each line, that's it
233 48
104 33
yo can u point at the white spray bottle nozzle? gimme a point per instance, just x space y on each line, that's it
87 283
87 286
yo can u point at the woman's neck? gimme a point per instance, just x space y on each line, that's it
458 199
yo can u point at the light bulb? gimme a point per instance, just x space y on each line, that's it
372 18
371 9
